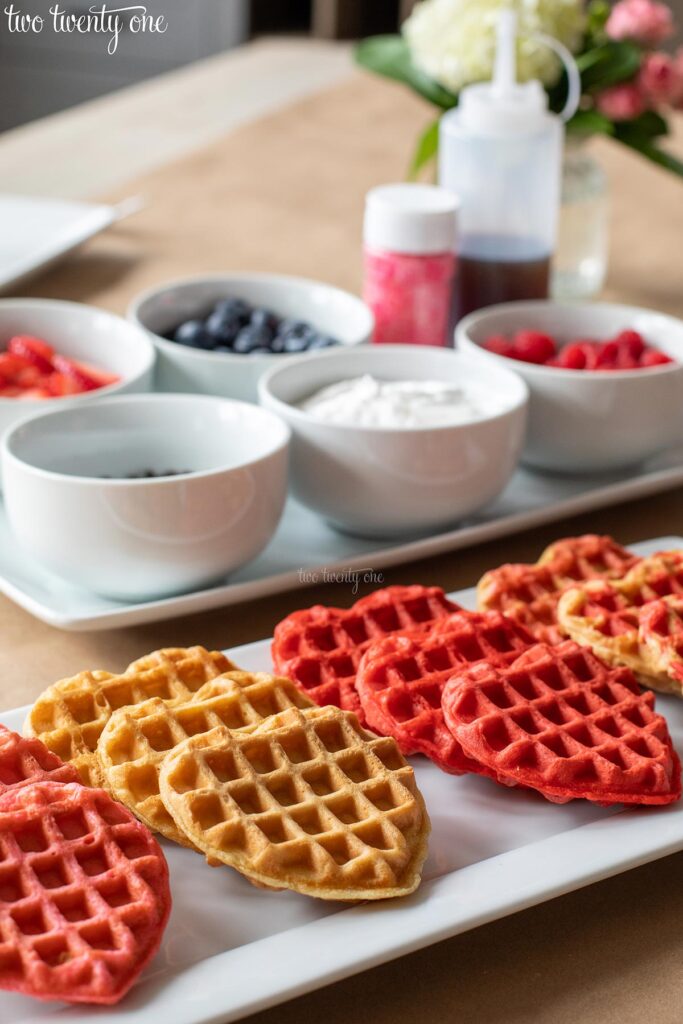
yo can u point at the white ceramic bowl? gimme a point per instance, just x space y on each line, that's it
84 333
136 539
588 421
179 368
383 482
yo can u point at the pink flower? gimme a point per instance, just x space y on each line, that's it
644 21
661 79
621 102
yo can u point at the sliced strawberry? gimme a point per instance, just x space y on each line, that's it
32 350
72 370
11 365
59 385
29 377
33 393
102 377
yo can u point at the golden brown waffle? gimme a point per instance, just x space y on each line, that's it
71 714
308 801
660 630
606 616
530 593
137 738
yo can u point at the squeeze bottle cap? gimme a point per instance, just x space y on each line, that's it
505 106
419 219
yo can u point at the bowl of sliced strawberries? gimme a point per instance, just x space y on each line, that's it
66 351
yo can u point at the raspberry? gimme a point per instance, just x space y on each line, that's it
608 354
499 345
533 347
631 342
653 357
572 357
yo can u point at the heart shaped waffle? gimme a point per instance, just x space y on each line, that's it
530 593
136 739
606 616
560 721
70 715
84 894
23 761
401 678
320 648
309 801
660 631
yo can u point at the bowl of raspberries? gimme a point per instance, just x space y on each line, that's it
217 335
605 380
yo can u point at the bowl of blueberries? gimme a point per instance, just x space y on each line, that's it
217 335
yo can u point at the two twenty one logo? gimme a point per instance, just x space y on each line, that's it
108 21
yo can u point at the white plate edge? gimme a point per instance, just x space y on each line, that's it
229 594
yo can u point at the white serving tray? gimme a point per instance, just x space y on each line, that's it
35 232
304 545
231 949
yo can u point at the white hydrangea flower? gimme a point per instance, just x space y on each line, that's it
454 41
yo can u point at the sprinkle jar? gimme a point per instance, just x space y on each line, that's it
410 237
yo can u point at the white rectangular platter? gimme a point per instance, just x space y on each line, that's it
35 232
231 949
304 545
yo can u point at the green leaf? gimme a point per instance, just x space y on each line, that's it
655 154
590 122
608 64
390 56
597 13
426 149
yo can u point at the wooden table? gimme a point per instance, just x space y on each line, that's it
286 194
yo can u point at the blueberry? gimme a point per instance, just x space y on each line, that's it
264 318
193 333
277 344
294 328
234 308
295 343
223 328
250 338
321 341
261 350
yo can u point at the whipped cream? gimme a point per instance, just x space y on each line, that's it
368 402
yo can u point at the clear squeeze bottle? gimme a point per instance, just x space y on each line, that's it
501 153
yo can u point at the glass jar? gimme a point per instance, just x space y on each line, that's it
580 261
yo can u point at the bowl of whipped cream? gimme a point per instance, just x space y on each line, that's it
393 440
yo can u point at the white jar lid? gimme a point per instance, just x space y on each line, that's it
409 218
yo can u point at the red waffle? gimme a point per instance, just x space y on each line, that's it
401 678
320 648
84 895
530 593
559 721
661 633
23 761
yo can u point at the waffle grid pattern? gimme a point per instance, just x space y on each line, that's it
308 801
606 616
320 648
136 739
70 715
84 894
661 630
530 593
558 720
401 680
23 761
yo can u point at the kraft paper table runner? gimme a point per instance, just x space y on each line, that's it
285 194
